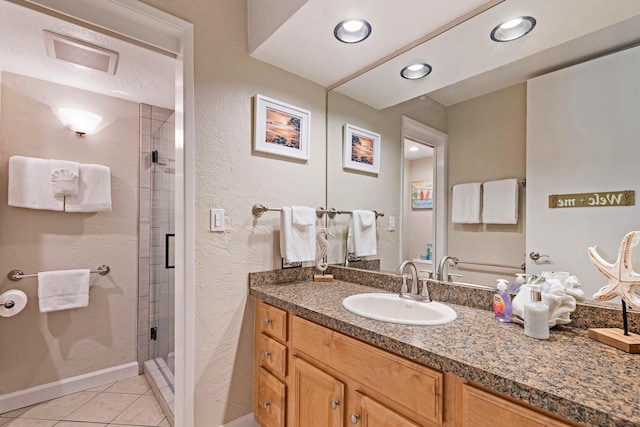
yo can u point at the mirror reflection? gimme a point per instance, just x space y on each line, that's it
530 109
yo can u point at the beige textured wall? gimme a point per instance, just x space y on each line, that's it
229 176
487 141
40 348
353 190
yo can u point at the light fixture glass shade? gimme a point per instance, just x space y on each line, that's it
513 29
80 121
416 71
352 30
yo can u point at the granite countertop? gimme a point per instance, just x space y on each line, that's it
569 374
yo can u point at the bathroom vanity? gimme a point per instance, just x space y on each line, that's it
314 360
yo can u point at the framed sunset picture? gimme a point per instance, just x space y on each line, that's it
281 129
361 149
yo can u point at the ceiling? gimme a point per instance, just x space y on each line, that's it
420 151
300 39
466 62
142 75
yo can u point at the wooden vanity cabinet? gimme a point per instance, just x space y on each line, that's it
270 366
307 375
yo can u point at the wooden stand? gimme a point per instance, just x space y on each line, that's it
323 278
615 337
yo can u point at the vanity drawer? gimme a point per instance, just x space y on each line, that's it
407 384
272 355
482 409
272 321
270 405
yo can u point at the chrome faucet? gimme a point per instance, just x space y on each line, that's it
414 274
413 294
442 265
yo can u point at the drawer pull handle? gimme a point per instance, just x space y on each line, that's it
266 404
267 321
335 404
267 354
355 418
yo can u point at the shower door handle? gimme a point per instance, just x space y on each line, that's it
168 250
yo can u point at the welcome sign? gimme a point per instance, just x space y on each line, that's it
592 200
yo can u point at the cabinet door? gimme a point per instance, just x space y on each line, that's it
318 398
373 414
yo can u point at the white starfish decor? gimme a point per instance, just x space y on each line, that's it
623 278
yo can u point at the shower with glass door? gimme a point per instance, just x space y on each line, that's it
156 260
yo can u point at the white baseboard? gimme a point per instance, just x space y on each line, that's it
244 421
41 393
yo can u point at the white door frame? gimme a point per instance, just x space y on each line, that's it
154 27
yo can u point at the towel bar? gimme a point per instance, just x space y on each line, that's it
16 275
258 209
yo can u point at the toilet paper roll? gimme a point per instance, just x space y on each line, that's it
12 302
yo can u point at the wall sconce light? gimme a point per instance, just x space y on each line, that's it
80 121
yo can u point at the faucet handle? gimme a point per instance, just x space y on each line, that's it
429 273
404 288
453 275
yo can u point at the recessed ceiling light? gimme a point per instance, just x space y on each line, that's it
352 30
513 29
415 71
413 149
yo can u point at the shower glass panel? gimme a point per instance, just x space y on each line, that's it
162 277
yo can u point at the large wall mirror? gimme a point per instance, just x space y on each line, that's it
554 108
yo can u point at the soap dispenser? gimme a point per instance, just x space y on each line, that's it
536 316
502 302
520 280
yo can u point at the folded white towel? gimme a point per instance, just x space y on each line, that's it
297 242
63 289
64 177
500 202
560 304
364 234
465 207
30 185
94 190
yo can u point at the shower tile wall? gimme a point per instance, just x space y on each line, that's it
156 282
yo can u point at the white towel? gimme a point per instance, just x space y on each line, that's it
63 289
297 241
560 304
94 190
64 177
30 185
500 202
364 232
465 206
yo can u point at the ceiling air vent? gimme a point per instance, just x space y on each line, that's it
80 53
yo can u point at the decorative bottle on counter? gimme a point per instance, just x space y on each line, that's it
536 315
502 302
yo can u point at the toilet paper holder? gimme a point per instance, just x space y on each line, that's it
8 304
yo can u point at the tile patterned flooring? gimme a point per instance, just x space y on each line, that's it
128 402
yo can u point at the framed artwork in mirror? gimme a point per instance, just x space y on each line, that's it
281 129
361 150
421 195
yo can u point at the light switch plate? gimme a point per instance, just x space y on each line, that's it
392 223
217 220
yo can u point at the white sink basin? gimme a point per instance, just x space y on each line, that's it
391 308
